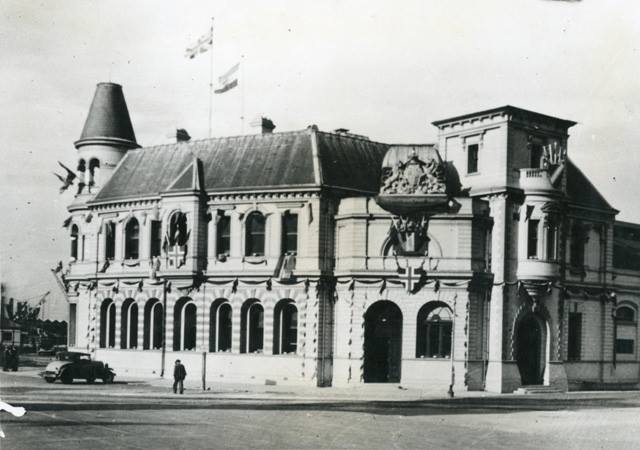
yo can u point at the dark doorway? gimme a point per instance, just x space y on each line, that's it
382 343
529 350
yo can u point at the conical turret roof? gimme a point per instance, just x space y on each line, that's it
108 121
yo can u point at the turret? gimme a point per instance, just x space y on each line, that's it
105 138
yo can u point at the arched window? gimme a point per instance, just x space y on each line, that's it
223 236
184 325
94 165
74 241
434 331
153 324
132 239
107 324
178 233
285 327
252 327
109 240
129 324
626 331
255 227
220 317
625 314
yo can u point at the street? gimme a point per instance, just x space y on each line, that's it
141 415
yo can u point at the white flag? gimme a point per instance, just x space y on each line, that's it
229 80
203 44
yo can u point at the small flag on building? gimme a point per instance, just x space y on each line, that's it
204 43
229 80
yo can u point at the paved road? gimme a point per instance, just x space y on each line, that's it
141 416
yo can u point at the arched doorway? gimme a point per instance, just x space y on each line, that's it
530 349
382 343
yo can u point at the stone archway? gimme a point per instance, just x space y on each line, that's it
383 343
531 349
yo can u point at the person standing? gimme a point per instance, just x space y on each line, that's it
179 374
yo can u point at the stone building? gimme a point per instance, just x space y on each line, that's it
487 261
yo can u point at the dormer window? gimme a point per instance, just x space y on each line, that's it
255 229
132 240
178 233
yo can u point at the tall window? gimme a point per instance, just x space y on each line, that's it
535 160
72 324
472 158
156 238
110 240
435 326
552 241
94 165
220 326
625 330
74 241
153 324
252 327
223 236
255 228
532 238
132 240
129 324
184 325
107 324
289 233
576 246
575 336
285 327
178 232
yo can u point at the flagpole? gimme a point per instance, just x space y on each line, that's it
211 80
242 95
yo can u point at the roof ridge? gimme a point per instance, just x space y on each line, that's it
350 136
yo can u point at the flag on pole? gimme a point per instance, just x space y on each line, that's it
204 43
229 80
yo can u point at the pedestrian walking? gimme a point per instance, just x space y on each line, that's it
6 357
179 374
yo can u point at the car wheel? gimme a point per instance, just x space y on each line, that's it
66 377
91 380
108 379
50 380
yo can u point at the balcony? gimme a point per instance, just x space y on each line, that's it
535 180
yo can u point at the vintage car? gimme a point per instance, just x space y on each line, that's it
71 365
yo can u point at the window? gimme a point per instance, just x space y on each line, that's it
472 158
94 164
532 239
220 326
575 336
435 327
74 241
129 324
289 234
625 317
132 240
107 324
156 238
72 324
576 246
184 325
223 235
153 324
110 240
552 245
285 327
82 247
625 314
252 327
536 153
255 227
178 233
624 346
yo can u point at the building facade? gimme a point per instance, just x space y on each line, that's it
486 261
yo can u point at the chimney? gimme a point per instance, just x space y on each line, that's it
182 135
265 124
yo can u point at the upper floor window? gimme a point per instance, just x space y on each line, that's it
576 246
625 314
472 158
110 240
290 233
94 165
156 238
178 233
74 241
535 155
223 235
132 240
255 230
552 241
532 239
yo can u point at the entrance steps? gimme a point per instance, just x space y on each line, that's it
537 389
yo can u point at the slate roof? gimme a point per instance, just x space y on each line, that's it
306 158
580 191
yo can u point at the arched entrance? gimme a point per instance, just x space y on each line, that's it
530 349
382 343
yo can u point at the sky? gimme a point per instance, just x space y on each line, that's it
384 69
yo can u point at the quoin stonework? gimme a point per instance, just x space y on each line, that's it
487 260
